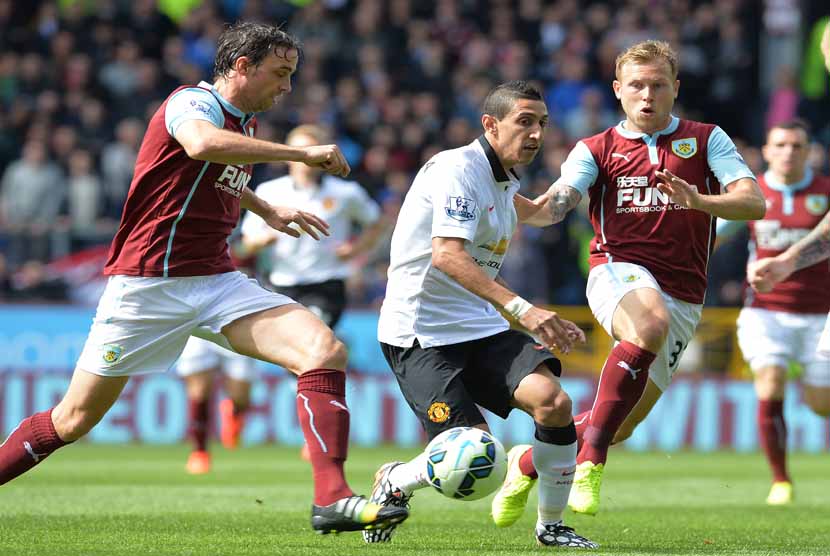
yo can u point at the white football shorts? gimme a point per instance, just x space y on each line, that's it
608 283
201 355
774 338
142 323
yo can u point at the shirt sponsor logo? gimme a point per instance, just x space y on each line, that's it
816 204
769 234
233 180
684 148
635 195
461 209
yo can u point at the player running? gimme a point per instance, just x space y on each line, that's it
655 185
447 345
171 274
783 325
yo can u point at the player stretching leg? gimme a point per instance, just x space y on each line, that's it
451 236
656 184
171 274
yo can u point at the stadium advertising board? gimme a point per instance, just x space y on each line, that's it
40 345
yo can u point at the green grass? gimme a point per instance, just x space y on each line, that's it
120 500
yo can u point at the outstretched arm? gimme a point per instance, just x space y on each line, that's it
450 257
764 274
548 208
204 141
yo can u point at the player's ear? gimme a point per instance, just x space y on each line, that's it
676 87
242 65
490 124
616 85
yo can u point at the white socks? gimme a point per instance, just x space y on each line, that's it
412 475
555 465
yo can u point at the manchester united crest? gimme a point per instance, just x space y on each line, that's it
328 203
816 204
439 412
684 148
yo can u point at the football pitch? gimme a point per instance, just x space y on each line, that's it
125 500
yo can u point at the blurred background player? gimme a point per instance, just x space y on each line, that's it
656 184
783 326
199 365
449 348
314 272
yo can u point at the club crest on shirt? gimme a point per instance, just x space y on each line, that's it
684 148
111 353
328 203
816 204
438 412
460 208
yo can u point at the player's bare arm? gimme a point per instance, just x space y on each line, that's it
742 200
284 219
764 274
825 45
204 141
549 208
450 257
367 239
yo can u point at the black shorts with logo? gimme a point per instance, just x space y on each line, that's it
443 384
325 299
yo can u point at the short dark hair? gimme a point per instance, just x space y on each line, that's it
500 101
252 40
794 123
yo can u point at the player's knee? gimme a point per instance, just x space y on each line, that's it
72 424
652 332
327 352
818 402
556 410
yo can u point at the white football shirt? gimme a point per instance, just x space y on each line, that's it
297 261
460 193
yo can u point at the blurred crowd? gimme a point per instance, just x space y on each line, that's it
396 81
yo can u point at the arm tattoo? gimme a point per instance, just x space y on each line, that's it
814 247
563 198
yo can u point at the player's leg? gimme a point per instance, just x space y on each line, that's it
199 388
770 385
531 384
197 366
86 401
769 341
817 398
240 372
431 383
291 336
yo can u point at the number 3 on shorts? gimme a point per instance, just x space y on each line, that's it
675 355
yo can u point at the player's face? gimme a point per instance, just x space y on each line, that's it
303 173
786 153
271 79
520 133
646 92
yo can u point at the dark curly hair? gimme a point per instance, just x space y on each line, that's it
252 40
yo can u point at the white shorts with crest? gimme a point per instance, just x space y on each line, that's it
607 285
142 323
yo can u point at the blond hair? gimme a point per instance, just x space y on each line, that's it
648 51
316 132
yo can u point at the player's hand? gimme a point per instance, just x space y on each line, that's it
553 332
764 274
328 158
679 190
287 220
825 45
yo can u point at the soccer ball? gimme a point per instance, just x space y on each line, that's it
466 463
